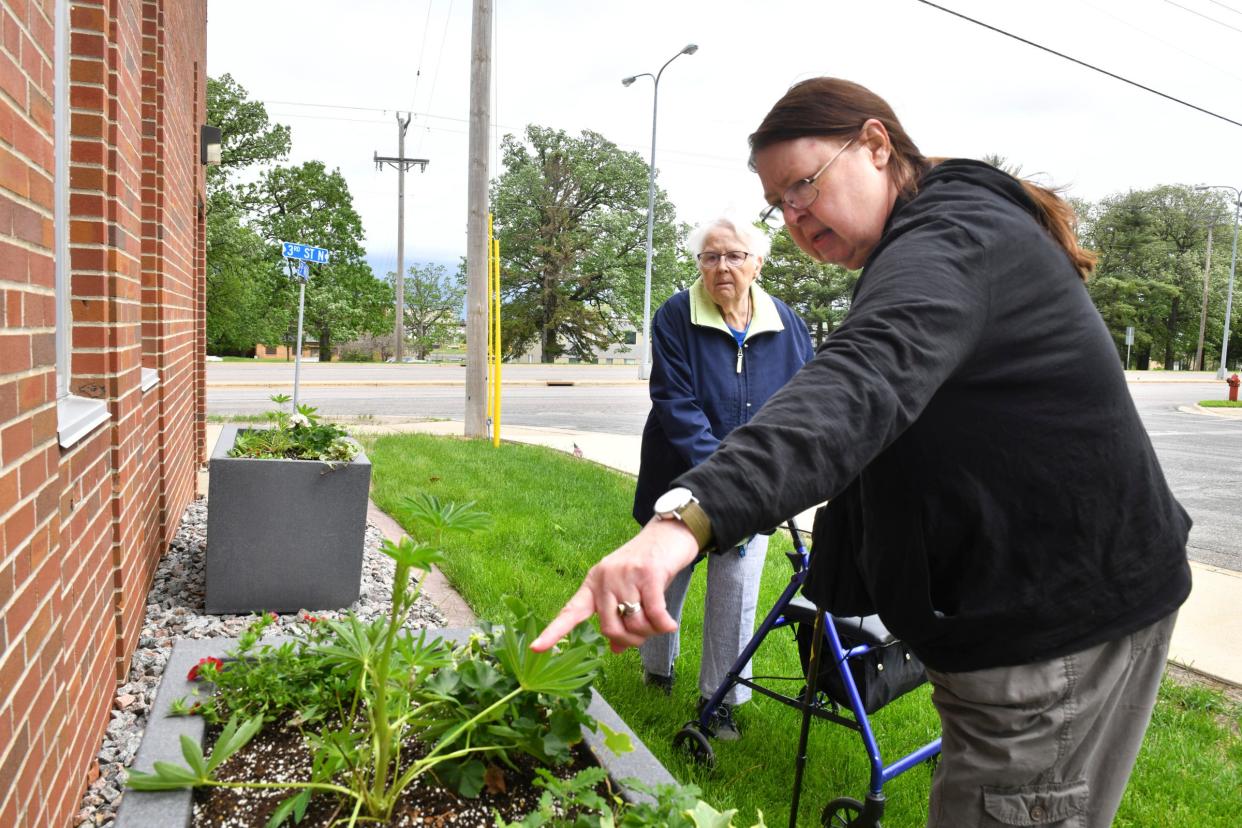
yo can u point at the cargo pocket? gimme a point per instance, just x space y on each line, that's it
1063 804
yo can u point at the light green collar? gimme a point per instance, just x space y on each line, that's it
765 317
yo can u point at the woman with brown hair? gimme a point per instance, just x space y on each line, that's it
1007 514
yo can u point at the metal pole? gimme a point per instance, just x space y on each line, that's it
398 346
644 360
1233 263
297 360
1207 270
476 224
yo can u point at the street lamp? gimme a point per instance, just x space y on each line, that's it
645 357
1233 263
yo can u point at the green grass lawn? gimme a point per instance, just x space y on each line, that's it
555 515
1221 403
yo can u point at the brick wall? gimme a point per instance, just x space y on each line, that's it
82 528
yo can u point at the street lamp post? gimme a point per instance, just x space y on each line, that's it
1233 264
644 360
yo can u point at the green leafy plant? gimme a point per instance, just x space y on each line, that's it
668 806
361 691
297 435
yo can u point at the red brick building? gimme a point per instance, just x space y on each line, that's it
101 361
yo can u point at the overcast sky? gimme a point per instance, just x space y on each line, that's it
338 71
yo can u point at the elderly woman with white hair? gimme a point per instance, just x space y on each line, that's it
719 350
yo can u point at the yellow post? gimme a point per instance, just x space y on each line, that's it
496 322
491 414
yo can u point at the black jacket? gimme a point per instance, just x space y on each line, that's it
703 385
1009 506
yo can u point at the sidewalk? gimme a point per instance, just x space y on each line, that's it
1208 626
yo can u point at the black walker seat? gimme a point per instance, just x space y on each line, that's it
861 667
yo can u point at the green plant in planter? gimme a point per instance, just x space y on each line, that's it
297 435
361 690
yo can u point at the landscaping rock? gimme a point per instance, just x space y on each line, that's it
175 608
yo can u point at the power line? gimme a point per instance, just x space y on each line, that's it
1204 16
1081 63
435 75
1164 42
1223 6
422 52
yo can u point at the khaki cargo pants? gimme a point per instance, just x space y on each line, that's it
1046 744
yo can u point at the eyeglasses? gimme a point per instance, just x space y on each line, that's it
733 258
800 195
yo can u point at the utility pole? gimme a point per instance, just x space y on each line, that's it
401 163
476 224
1207 271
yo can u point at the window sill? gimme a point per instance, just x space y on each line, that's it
77 417
150 379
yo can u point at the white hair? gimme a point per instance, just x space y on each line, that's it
757 242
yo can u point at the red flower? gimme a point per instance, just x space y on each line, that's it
273 616
314 619
217 663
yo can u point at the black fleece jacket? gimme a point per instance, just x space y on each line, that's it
1009 507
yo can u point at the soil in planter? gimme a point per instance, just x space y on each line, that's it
279 753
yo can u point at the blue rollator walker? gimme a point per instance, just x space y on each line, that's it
860 667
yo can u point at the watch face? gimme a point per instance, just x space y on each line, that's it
672 500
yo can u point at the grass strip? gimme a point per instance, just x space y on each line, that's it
555 515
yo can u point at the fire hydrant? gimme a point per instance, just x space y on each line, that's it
1234 382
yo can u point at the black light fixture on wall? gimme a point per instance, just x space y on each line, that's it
209 145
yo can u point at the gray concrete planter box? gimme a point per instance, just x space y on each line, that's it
162 740
283 535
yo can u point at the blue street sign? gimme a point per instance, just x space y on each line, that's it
303 271
293 250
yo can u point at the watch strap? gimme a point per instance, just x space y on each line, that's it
699 524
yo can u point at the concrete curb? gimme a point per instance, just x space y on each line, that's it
1223 413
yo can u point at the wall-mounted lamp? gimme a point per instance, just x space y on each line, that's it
209 144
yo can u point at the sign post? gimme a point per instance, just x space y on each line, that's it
1129 342
302 254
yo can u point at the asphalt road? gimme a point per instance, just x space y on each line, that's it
1201 455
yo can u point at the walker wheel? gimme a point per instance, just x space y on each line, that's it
844 812
693 741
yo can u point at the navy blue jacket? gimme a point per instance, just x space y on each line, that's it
703 385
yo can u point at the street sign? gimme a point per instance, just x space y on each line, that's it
303 271
293 250
1130 335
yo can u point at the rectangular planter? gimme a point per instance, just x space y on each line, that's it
283 535
162 740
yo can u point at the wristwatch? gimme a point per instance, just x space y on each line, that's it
681 504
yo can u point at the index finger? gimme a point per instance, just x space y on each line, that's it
578 609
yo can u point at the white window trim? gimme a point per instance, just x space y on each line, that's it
150 379
76 416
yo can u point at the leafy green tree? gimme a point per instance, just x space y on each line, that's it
243 276
434 303
306 203
1151 245
819 293
571 216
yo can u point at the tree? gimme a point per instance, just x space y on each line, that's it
307 203
571 216
247 136
243 276
434 303
819 293
1151 245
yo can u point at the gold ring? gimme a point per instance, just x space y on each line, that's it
627 608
